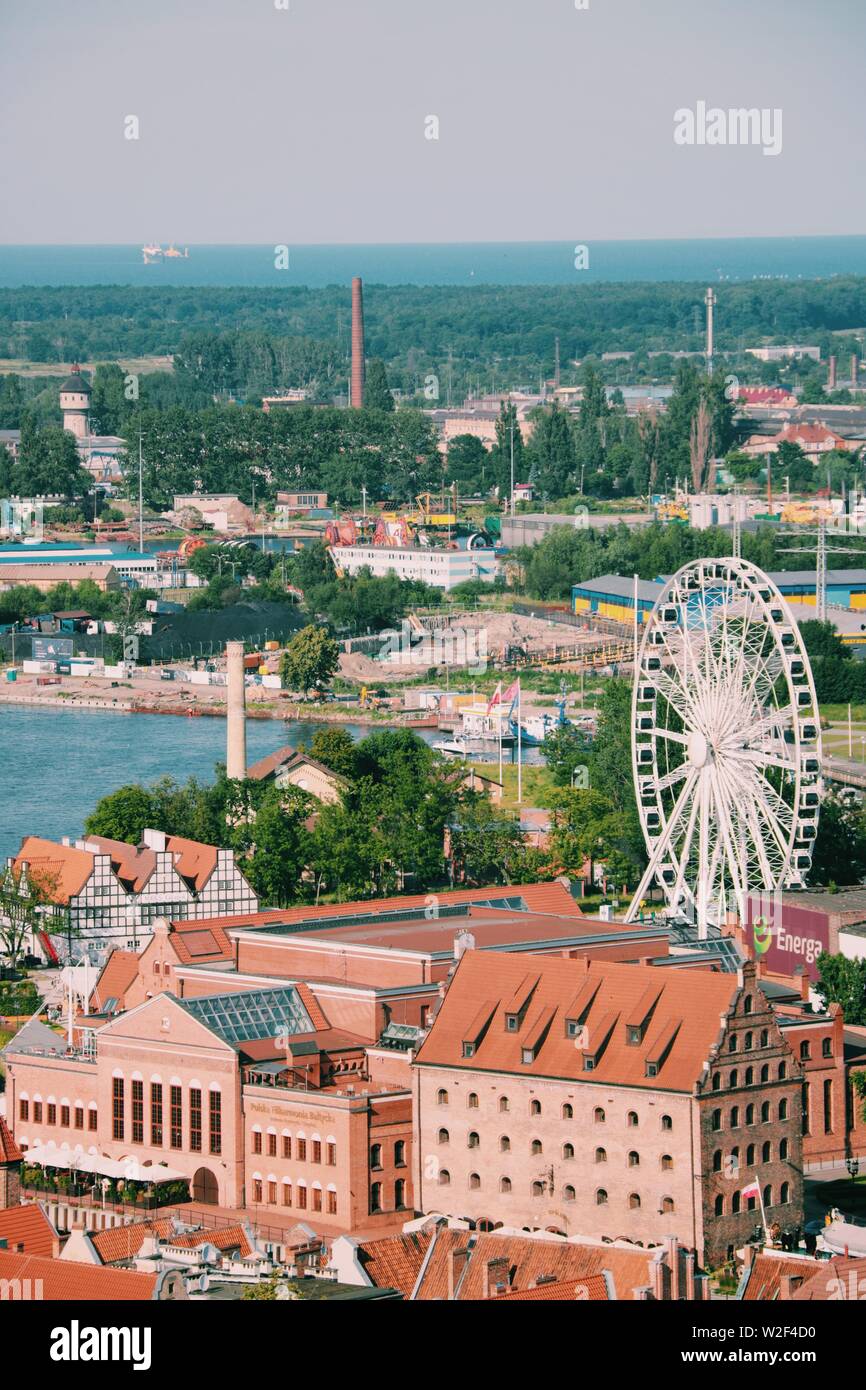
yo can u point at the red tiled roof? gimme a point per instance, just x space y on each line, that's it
599 995
26 1229
834 1280
193 860
767 1272
124 1242
812 434
551 898
60 870
201 942
9 1150
592 1289
395 1261
115 978
69 1279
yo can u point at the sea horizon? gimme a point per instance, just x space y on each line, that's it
453 263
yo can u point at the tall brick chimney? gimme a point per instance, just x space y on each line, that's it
831 375
855 368
357 344
236 732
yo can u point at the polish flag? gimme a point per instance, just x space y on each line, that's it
752 1190
512 694
496 698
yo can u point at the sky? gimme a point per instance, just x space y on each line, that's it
307 124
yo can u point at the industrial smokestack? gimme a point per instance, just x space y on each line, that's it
831 375
710 301
236 732
357 343
855 368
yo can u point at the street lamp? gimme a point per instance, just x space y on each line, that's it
853 1166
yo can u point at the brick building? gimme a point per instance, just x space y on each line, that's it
607 1100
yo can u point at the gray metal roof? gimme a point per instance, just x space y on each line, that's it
35 1036
782 577
621 587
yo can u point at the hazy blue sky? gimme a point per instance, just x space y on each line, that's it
260 125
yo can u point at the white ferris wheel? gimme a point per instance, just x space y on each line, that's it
726 743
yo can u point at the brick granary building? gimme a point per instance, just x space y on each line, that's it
611 1101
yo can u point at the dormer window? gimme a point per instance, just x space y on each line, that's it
527 1056
469 1049
633 1034
572 1027
589 1061
512 1023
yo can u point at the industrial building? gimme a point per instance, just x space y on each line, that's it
443 569
612 595
133 567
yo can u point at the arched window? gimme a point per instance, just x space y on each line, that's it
568 1151
634 1159
598 1115
503 1103
535 1107
827 1047
732 1042
667 1122
735 1117
375 1155
765 1037
716 1120
504 1184
717 1161
805 1051
747 1042
749 1079
750 1114
747 1004
536 1147
568 1112
765 1110
474 1180
569 1194
473 1141
735 1202
667 1204
667 1162
601 1155
720 1205
537 1189
444 1137
766 1151
768 1195
785 1193
442 1097
600 1197
472 1100
634 1200
750 1156
783 1070
765 1072
783 1110
444 1177
717 1081
504 1143
733 1079
783 1149
632 1120
735 1161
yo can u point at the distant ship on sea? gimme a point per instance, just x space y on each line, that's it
153 253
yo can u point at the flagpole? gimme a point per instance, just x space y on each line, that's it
763 1212
519 750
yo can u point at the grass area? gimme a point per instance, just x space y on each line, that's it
538 783
838 714
141 365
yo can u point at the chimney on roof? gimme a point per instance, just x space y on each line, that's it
674 1263
236 732
456 1265
496 1278
358 349
831 374
153 839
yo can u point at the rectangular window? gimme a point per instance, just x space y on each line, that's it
257 1141
376 1197
156 1113
117 1126
287 1194
216 1132
176 1117
287 1146
37 1112
79 1117
64 1116
272 1146
24 1110
138 1112
332 1204
332 1155
828 1107
316 1151
272 1194
195 1120
317 1199
257 1190
302 1198
302 1150
51 1114
92 1118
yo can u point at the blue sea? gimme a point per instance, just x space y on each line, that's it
491 263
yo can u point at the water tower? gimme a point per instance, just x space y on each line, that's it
75 404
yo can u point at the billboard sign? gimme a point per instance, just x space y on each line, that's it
52 648
785 936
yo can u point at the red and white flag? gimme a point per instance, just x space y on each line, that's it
512 694
751 1189
496 698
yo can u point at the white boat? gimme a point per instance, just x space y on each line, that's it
452 747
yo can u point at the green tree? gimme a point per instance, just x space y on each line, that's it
377 393
468 462
334 747
487 843
123 815
310 660
566 748
282 847
843 981
839 854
